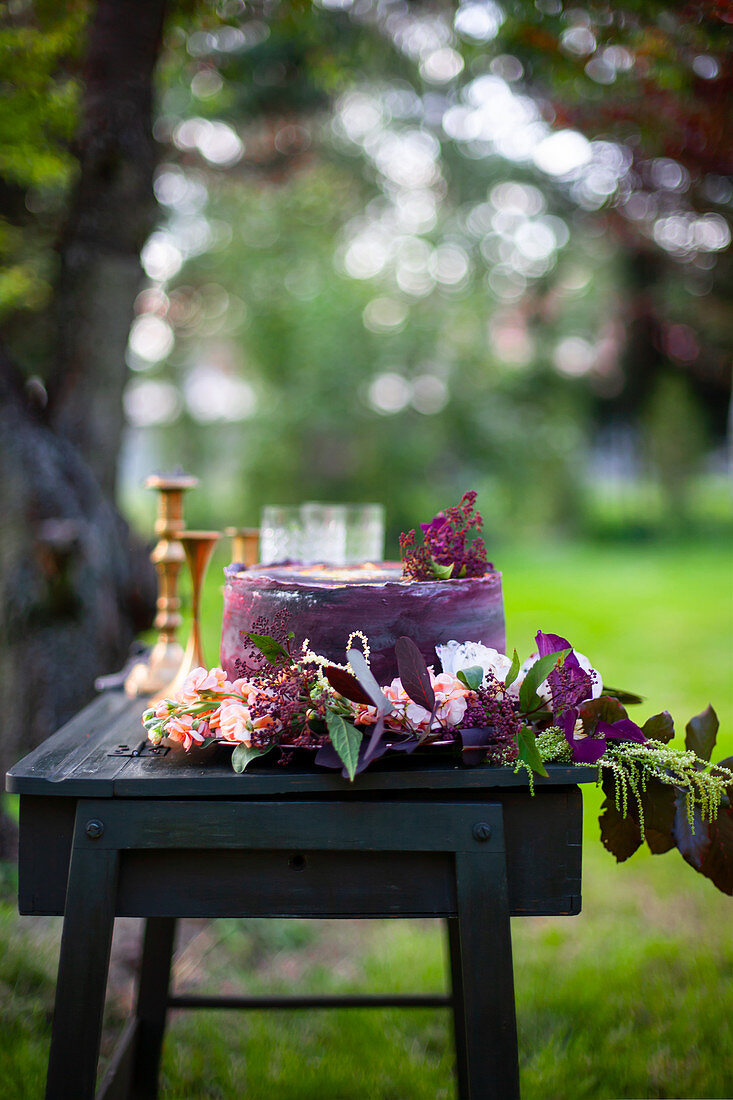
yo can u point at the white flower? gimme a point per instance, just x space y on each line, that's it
543 691
455 656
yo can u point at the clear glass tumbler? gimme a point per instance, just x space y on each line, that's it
324 532
281 534
364 533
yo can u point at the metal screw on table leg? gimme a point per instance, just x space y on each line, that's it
482 831
94 829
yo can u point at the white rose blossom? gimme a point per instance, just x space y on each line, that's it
456 656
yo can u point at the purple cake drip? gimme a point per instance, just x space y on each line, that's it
326 609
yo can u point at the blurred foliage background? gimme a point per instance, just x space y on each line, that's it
404 249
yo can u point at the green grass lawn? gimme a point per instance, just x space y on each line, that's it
633 998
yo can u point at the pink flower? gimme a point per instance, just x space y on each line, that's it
450 712
243 687
199 680
181 729
396 693
364 715
162 708
234 722
450 699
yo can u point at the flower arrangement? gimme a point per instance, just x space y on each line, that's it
486 708
446 552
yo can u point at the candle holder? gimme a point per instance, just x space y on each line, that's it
168 557
245 544
198 546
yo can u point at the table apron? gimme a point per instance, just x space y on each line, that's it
178 856
304 826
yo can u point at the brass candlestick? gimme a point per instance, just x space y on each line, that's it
198 547
245 544
168 557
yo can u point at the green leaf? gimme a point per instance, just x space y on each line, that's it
472 677
270 649
700 733
442 572
659 727
540 670
513 671
346 740
626 697
528 751
245 754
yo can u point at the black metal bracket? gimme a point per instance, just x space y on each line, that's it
144 748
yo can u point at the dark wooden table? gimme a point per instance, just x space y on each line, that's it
109 828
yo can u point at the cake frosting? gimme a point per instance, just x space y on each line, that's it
325 604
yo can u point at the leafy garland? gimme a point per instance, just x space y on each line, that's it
490 709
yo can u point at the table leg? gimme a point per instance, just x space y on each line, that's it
485 948
152 1005
82 976
459 1008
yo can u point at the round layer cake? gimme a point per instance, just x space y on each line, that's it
325 604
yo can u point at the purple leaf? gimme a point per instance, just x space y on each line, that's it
620 835
709 849
718 864
414 673
658 802
365 676
700 733
626 697
694 842
408 745
660 727
622 730
347 685
376 743
603 709
475 744
365 761
327 757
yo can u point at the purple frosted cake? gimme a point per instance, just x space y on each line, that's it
325 604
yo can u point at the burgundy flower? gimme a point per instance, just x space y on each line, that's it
570 684
588 749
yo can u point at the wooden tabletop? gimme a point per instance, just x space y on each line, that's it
102 753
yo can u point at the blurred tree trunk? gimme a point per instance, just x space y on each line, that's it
111 215
643 358
75 585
